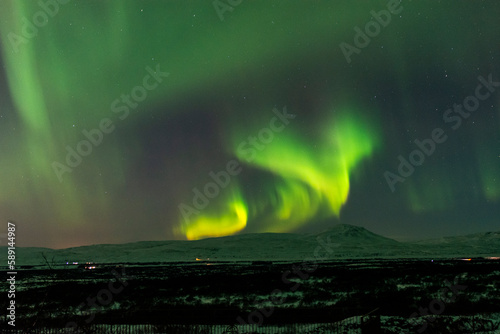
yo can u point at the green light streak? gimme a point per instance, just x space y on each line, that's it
220 219
314 176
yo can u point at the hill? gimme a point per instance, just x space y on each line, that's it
343 241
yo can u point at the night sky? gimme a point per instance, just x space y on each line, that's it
123 121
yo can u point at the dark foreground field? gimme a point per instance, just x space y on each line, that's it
378 296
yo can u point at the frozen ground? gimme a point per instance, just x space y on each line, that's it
289 294
230 277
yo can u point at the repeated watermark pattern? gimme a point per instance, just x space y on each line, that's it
302 271
40 19
222 6
120 106
427 146
248 149
372 29
437 306
103 298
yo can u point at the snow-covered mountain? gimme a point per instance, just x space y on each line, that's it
343 242
478 243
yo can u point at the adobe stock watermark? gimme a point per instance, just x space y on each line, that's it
121 106
103 298
11 280
427 147
221 7
248 149
302 271
372 29
29 29
437 305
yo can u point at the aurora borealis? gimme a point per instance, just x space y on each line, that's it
177 93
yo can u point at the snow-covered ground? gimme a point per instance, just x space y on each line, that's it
343 242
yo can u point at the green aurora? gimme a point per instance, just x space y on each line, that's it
224 79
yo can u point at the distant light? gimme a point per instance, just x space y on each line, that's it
466 259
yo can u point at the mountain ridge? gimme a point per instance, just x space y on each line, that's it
346 241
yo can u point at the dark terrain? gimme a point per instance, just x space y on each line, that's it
208 293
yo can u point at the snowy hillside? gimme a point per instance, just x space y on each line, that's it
343 242
472 244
